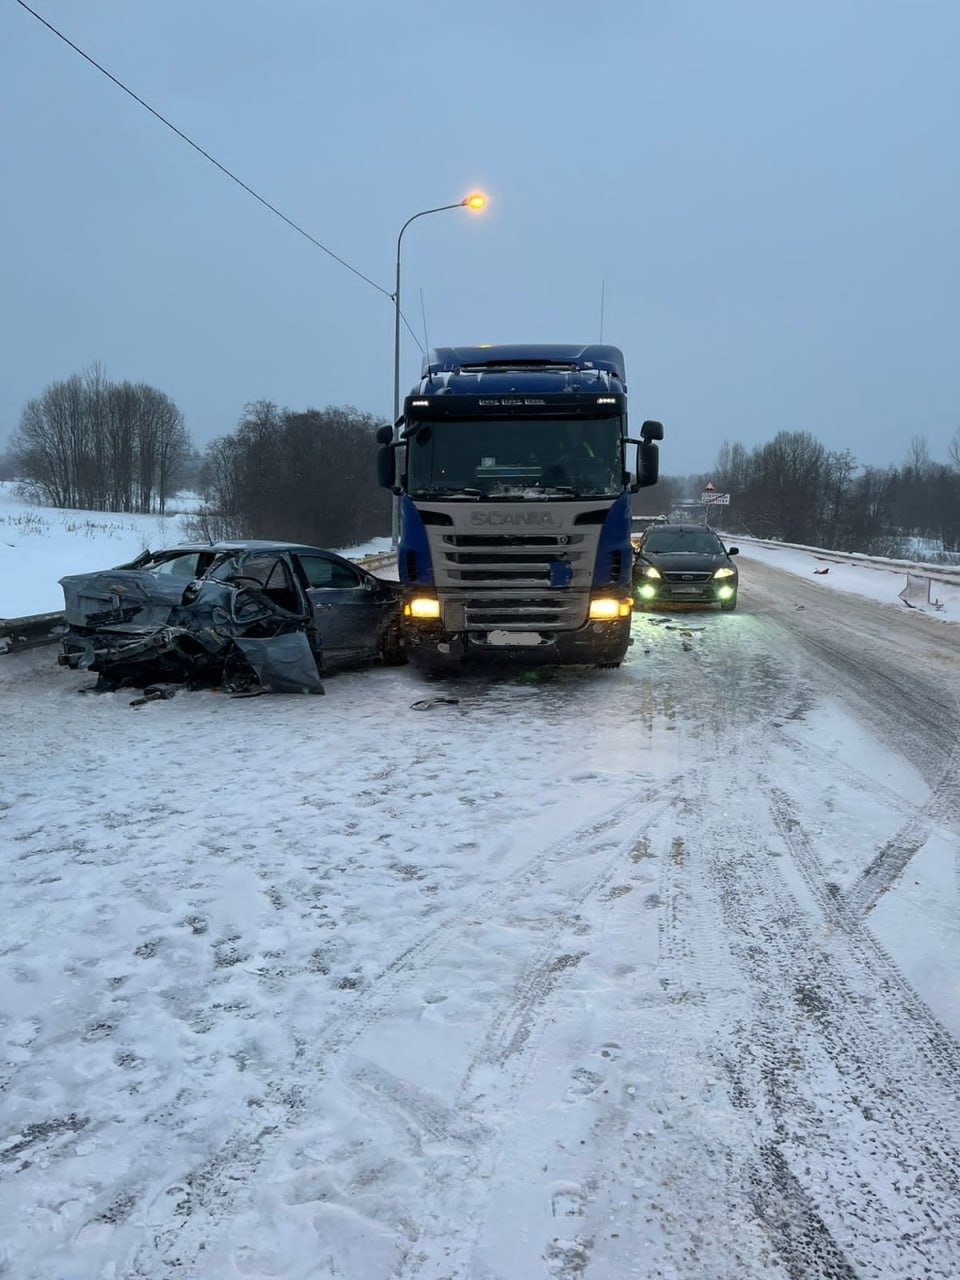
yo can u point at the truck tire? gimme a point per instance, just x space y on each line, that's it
393 651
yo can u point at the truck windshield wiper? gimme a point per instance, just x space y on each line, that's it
437 491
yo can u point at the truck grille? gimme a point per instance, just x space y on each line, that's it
494 559
536 578
542 613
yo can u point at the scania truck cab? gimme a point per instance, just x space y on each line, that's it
513 468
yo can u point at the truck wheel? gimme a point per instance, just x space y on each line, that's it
393 652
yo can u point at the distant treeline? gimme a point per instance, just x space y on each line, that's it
795 489
309 476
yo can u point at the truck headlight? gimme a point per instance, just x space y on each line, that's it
422 607
605 608
725 573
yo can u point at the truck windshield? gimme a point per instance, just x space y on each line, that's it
517 458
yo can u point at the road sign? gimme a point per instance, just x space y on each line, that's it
710 498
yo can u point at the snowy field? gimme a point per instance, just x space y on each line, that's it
586 976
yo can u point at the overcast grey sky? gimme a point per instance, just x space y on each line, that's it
770 191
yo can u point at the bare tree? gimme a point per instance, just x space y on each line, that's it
953 450
98 445
306 477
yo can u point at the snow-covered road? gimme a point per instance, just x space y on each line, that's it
648 973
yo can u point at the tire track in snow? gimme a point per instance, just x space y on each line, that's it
848 1152
445 1248
217 1185
894 856
838 1012
938 1046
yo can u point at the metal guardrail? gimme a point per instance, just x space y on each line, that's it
47 628
26 633
377 562
945 573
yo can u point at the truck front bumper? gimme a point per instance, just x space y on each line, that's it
594 644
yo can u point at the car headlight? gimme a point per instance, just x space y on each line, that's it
650 572
422 607
725 573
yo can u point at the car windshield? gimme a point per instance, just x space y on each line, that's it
697 542
530 457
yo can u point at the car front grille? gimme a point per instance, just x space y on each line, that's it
690 578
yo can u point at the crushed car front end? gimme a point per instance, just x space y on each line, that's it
132 626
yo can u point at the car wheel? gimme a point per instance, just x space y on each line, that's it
393 652
728 606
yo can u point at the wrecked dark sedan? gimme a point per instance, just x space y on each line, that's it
273 613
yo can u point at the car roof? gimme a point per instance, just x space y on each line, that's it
257 544
688 528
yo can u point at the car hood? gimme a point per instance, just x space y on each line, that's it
686 561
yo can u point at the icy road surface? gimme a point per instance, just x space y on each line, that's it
641 973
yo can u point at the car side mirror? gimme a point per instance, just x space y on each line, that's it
733 551
369 584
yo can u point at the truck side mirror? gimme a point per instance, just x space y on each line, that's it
648 463
651 430
386 468
384 434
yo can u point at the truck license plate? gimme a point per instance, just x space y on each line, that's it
519 638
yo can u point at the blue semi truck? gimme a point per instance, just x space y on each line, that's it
513 468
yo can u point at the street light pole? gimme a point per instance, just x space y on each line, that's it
476 201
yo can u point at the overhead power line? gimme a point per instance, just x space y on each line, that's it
207 156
